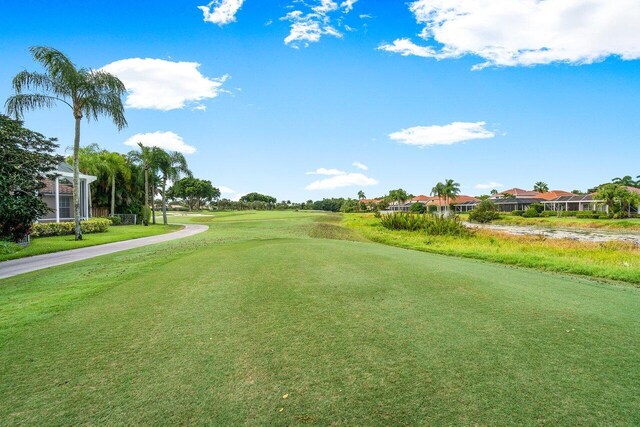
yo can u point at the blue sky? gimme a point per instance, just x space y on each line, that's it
477 96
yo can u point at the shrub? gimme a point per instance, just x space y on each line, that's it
417 208
588 214
404 221
531 212
568 213
446 226
603 216
547 214
434 225
517 213
485 212
115 220
539 207
46 229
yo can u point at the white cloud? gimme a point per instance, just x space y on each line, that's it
442 135
406 47
525 32
324 171
360 166
489 186
348 5
226 190
165 140
345 180
221 12
164 85
309 27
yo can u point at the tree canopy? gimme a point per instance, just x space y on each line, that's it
26 157
257 197
194 192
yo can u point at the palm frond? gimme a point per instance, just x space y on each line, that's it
16 105
57 65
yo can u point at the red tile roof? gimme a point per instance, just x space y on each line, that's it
518 192
554 194
459 199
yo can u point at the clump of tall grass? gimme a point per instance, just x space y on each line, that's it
433 225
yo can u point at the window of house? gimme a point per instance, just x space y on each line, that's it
65 207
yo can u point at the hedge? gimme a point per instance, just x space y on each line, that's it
46 229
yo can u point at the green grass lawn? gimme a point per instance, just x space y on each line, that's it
45 245
256 322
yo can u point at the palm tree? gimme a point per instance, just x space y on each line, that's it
451 191
541 187
144 158
361 195
171 165
91 162
626 181
88 93
116 165
438 191
398 196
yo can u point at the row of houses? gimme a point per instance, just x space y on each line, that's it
514 199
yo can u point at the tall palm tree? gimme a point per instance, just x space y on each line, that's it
361 195
438 191
541 187
451 189
88 93
171 165
144 158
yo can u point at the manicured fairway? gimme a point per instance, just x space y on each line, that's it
256 322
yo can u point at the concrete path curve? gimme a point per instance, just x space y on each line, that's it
38 262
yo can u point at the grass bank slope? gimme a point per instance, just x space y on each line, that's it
255 322
604 260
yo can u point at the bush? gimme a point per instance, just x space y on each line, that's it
531 213
517 213
115 220
404 221
446 226
568 213
539 207
46 229
485 212
417 208
588 215
434 225
547 214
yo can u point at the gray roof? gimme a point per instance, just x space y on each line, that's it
65 167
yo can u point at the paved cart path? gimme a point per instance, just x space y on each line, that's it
25 265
